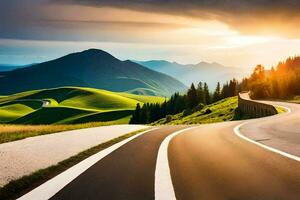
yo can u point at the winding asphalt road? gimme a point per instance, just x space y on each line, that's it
242 160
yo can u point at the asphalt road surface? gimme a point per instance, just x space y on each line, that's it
127 173
208 162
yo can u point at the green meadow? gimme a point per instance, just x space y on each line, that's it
70 105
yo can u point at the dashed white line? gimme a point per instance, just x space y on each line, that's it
54 185
163 182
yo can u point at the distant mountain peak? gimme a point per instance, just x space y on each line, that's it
98 53
94 51
90 68
210 72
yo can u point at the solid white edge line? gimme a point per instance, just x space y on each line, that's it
239 134
54 185
163 186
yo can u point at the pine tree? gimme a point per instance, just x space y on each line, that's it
217 93
206 94
192 96
144 115
233 88
200 93
135 119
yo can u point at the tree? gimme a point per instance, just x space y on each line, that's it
135 119
217 93
144 115
274 84
233 88
206 93
225 90
200 93
192 96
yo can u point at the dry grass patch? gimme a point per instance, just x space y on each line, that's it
10 133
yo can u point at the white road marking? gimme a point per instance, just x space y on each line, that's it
54 185
164 189
239 134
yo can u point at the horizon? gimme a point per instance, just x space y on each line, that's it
151 31
249 69
158 60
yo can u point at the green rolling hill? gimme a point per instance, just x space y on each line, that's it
70 105
91 68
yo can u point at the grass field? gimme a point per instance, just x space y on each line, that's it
70 105
220 111
12 132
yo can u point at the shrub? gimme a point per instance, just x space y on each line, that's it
187 112
199 107
168 118
208 111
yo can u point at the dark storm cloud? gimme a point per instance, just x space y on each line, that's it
30 20
27 19
279 17
192 6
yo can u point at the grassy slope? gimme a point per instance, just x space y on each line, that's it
223 110
99 100
71 105
13 111
143 98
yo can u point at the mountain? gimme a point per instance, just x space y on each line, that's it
9 67
5 67
203 71
91 68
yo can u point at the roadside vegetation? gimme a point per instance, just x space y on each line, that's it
294 99
280 109
196 99
18 187
9 133
281 82
223 110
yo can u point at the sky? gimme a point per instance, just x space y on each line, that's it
237 33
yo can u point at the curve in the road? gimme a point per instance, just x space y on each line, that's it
203 162
126 173
280 132
163 183
211 162
239 134
54 185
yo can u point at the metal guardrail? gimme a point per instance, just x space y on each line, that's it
254 108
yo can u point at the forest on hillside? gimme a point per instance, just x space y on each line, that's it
280 82
194 100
